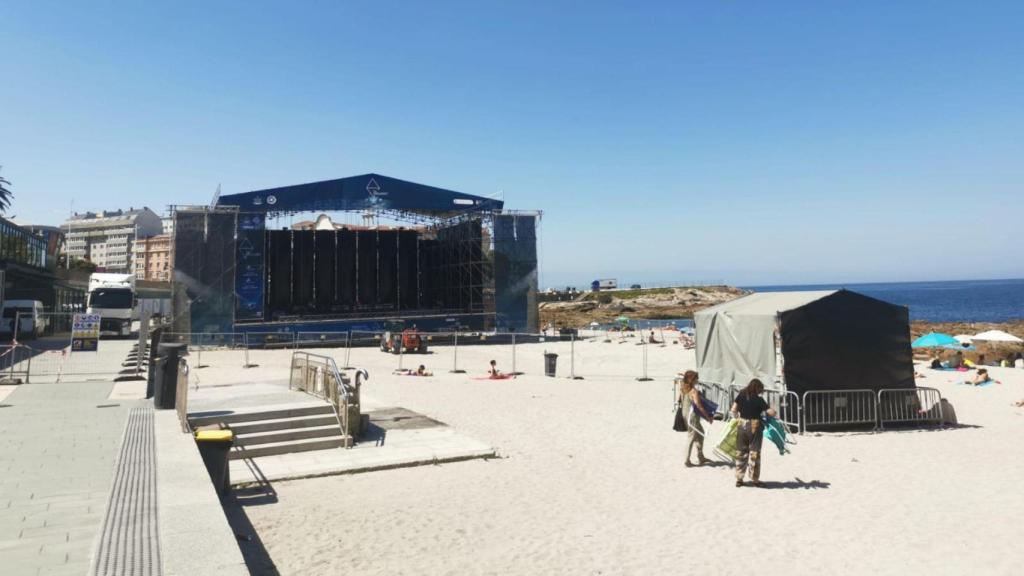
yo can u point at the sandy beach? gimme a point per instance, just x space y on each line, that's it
590 480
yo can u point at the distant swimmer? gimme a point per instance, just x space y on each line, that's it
747 408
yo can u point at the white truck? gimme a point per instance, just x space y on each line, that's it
112 296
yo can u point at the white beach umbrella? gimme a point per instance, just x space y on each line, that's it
997 336
964 338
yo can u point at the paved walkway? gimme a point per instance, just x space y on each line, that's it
60 443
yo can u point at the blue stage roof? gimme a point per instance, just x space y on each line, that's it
368 191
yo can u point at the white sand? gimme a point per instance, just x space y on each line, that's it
591 481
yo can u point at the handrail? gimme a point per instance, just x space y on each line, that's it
318 376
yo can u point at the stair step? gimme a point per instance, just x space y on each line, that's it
276 436
275 414
285 424
289 447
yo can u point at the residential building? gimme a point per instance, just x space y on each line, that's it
168 225
107 238
152 258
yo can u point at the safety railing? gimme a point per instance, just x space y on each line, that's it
15 362
909 406
318 375
840 408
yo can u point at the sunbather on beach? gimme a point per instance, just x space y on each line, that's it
652 339
693 409
421 371
495 373
747 408
980 378
1019 403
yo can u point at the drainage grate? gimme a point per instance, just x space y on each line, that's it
129 544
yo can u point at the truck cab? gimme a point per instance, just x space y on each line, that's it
112 296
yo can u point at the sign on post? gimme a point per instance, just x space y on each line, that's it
85 333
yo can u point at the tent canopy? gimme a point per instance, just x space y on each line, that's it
829 340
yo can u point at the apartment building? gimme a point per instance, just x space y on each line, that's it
107 238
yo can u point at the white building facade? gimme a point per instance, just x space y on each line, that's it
107 238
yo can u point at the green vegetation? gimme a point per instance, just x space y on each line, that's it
628 294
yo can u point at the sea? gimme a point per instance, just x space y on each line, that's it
947 301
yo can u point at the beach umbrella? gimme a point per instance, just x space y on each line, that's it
594 324
963 338
935 340
622 319
997 336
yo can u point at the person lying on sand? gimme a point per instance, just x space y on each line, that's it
980 378
421 371
1019 403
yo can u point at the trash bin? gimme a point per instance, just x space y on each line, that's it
214 447
165 385
550 362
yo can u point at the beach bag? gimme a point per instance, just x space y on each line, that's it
727 445
709 407
680 423
775 432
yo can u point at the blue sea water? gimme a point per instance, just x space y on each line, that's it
948 301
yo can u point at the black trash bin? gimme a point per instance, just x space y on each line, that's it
214 447
167 372
550 362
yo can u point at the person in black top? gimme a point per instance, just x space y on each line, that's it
747 408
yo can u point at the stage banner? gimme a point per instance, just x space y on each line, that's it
250 273
85 333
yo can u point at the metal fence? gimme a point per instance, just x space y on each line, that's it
15 362
836 408
787 407
909 406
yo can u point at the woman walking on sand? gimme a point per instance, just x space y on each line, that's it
693 409
747 408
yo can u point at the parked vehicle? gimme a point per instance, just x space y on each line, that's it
112 296
29 315
408 341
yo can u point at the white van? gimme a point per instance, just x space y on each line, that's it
29 314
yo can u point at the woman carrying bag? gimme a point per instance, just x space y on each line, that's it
747 409
693 409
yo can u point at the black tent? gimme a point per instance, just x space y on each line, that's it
832 340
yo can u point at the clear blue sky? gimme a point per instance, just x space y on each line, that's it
749 142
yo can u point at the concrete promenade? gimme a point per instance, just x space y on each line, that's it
58 447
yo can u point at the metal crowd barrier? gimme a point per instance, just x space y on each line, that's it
909 406
723 396
840 408
786 405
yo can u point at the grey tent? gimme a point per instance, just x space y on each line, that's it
827 340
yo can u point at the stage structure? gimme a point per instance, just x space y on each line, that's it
456 261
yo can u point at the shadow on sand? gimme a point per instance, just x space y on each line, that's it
796 484
255 554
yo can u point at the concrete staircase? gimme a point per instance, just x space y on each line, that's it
280 430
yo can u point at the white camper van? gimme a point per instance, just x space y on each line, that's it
29 315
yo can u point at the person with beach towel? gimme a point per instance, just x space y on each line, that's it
747 408
693 409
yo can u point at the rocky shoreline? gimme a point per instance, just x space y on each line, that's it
648 304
